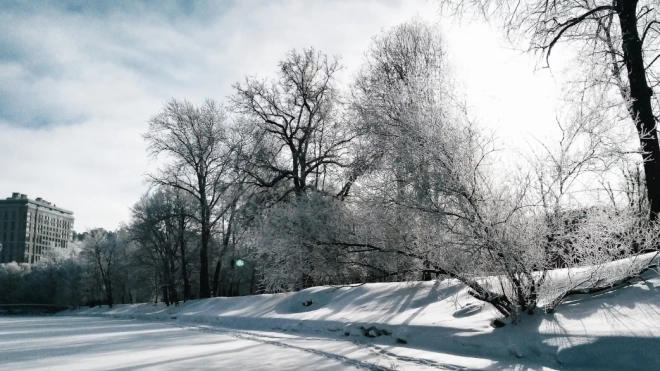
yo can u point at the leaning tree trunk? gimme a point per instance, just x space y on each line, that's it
640 95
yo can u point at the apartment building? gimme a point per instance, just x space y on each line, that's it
30 227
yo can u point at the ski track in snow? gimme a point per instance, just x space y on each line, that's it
272 339
418 361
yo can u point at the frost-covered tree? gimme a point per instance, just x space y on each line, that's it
430 175
293 243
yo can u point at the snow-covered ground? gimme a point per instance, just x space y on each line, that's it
79 343
405 326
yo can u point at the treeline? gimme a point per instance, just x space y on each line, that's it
298 181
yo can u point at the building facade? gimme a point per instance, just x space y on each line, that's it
30 227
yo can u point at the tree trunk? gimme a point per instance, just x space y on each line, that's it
204 287
108 292
252 281
640 95
166 296
184 263
216 277
171 283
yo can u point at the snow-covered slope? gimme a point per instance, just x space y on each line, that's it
439 321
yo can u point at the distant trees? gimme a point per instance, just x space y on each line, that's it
58 267
161 227
97 270
11 281
100 251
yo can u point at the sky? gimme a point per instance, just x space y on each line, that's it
80 79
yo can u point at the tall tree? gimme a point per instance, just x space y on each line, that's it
618 34
196 143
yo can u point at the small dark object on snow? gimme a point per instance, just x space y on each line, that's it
401 341
371 332
308 303
497 323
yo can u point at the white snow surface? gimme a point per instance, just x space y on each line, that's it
429 325
93 343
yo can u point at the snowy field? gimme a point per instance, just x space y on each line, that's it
93 343
402 326
78 343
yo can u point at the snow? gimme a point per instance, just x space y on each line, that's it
406 326
70 343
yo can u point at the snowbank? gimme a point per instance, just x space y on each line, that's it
618 329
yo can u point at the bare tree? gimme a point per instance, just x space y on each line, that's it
100 249
196 143
299 135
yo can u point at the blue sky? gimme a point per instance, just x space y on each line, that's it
80 79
